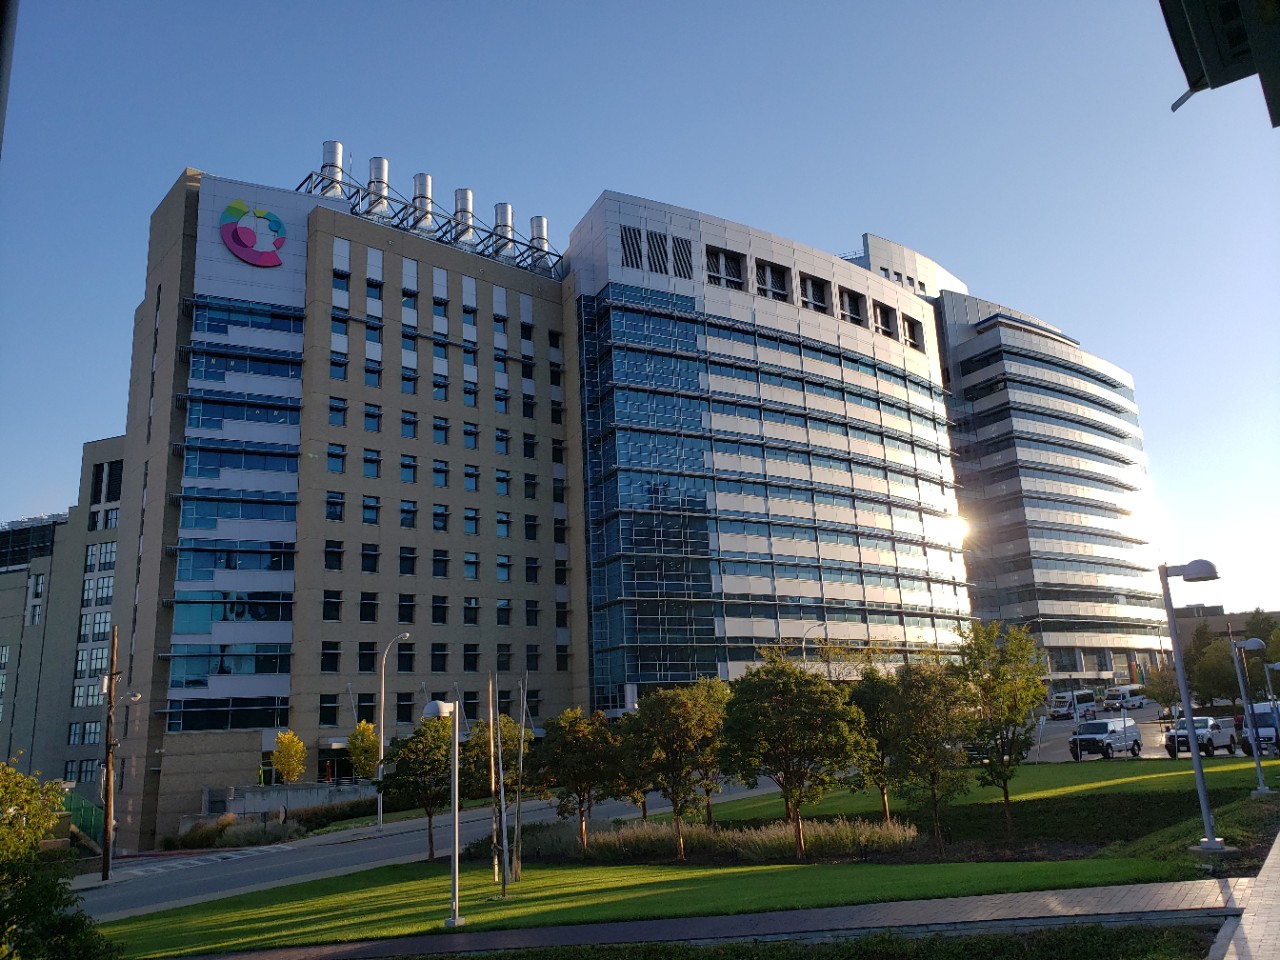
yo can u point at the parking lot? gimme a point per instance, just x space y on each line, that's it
1056 735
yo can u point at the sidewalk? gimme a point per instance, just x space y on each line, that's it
1256 934
1195 901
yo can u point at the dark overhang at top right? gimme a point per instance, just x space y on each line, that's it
1222 41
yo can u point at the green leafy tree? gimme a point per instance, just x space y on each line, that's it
935 718
1214 675
682 729
289 758
362 748
422 770
630 773
475 757
40 918
1194 647
1005 673
1162 686
711 774
792 727
1261 625
876 696
573 760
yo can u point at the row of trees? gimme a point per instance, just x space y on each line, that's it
899 731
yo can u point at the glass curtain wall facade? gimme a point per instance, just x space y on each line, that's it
765 450
1052 470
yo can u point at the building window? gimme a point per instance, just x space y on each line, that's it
332 611
471 566
439 609
337 412
503 523
368 607
470 657
502 567
337 366
408 514
532 657
111 518
470 521
531 567
471 611
440 388
369 509
531 613
530 526
408 425
330 656
91 558
853 307
504 657
440 473
724 269
631 256
503 618
372 373
530 446
372 464
440 517
440 430
372 418
886 320
408 469
408 561
367 656
337 458
560 530
439 659
471 705
471 477
333 550
405 608
366 707
557 491
470 436
502 442
531 486
470 395
557 451
533 701
373 290
772 281
368 558
528 407
440 563
815 294
405 651
404 707
501 401
913 333
408 381
75 734
108 557
502 483
334 504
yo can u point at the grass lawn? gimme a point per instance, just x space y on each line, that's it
414 898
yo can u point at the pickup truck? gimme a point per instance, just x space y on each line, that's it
1266 716
1211 735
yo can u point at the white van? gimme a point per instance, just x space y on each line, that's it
1073 705
1124 697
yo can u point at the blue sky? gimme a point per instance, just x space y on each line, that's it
1028 148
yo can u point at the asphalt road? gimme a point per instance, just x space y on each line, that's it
1054 743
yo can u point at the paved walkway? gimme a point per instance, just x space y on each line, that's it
1256 934
1195 901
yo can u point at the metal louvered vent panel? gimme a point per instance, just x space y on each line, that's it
682 257
631 248
657 252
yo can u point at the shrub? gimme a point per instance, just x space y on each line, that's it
258 834
653 842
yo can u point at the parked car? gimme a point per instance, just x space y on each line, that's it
1106 737
1211 735
980 753
1124 697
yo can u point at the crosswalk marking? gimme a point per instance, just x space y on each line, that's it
164 867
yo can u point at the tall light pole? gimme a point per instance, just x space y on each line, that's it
1193 572
1238 648
109 766
438 708
382 713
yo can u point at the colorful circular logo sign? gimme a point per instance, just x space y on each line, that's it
252 235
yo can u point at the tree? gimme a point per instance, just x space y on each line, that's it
1194 648
475 757
573 758
681 728
1261 625
876 696
935 717
1005 672
1214 675
711 775
289 758
422 770
1162 686
629 774
792 727
362 748
40 918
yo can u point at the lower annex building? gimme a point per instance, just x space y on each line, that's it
354 418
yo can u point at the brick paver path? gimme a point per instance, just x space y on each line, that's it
1191 901
1256 935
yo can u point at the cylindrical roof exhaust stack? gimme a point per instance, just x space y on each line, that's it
538 234
332 168
503 224
422 203
462 213
379 185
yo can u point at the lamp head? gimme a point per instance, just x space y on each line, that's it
402 638
1196 571
135 697
1253 643
437 708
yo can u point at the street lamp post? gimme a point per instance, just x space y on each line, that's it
382 713
438 708
1238 648
109 766
1193 572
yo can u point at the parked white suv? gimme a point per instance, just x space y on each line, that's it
1211 735
1106 737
